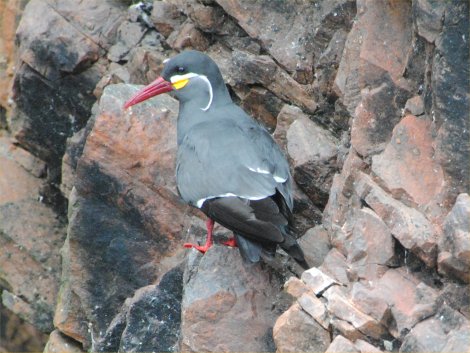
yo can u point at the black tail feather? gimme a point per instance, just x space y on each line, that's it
290 246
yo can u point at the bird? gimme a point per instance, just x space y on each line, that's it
227 165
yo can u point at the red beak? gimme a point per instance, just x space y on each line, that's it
159 86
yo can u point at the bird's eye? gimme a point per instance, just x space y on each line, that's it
180 69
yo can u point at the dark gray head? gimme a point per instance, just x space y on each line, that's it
194 78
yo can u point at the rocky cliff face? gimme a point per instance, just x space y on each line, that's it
369 100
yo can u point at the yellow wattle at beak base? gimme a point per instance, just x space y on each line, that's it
180 84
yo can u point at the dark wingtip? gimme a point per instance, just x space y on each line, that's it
304 264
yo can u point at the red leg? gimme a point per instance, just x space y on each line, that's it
205 247
231 242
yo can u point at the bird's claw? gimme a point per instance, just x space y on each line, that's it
231 242
200 248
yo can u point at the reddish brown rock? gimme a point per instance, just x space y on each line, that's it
368 62
16 183
315 308
369 79
375 116
58 343
313 152
58 60
296 331
30 237
97 21
370 238
448 331
220 291
411 145
166 17
18 335
409 300
10 14
295 287
345 329
454 246
119 241
366 347
387 35
408 225
342 308
145 64
262 69
287 115
188 36
263 106
316 244
341 191
208 18
341 344
129 34
298 24
428 17
336 266
450 99
415 106
369 303
368 244
317 281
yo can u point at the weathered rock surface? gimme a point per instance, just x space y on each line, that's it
410 145
296 331
448 331
313 152
30 237
454 246
102 221
369 100
148 321
220 292
59 343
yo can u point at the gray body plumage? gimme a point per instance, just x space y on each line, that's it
228 165
227 153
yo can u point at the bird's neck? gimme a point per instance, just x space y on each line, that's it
192 111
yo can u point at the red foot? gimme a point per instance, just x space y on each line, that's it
231 242
201 248
208 244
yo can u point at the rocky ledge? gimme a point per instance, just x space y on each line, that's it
368 98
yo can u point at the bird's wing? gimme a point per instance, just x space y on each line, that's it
258 220
229 158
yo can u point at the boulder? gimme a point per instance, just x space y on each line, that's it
59 343
316 244
411 145
150 320
454 246
296 331
31 234
313 152
135 232
406 224
450 87
220 290
341 344
448 331
306 28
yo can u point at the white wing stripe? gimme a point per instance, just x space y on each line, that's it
279 179
200 202
259 170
